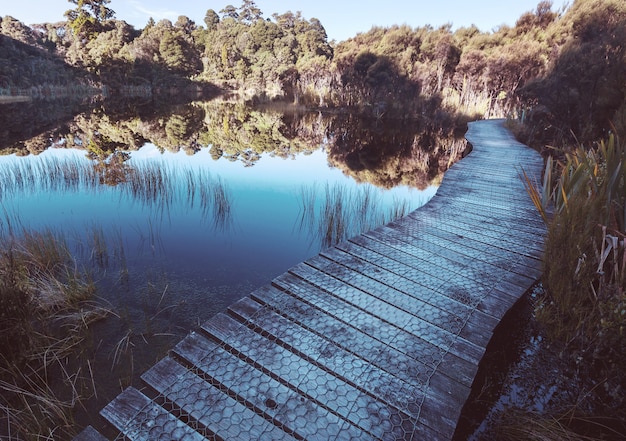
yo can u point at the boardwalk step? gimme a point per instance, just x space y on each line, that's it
141 419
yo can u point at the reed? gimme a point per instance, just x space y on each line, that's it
338 212
158 185
568 424
584 203
222 204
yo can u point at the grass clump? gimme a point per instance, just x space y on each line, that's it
339 212
44 312
584 310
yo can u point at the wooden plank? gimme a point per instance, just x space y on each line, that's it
443 391
444 293
455 244
89 434
515 222
474 325
361 372
522 244
503 284
375 308
215 410
414 370
139 418
455 209
438 256
294 412
359 409
420 227
395 270
428 347
481 195
402 306
525 245
413 279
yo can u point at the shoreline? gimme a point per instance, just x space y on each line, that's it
10 99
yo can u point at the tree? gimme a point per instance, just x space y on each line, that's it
248 12
211 19
185 24
178 54
229 11
86 19
17 30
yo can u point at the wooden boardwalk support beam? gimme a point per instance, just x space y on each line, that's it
377 338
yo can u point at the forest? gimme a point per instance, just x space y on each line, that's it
533 69
559 77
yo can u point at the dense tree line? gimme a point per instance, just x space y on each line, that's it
582 96
567 66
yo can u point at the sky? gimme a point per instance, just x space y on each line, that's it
342 19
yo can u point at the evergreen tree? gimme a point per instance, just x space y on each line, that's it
87 18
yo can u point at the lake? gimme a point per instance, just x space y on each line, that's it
178 213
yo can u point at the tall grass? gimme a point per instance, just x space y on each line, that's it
339 212
45 309
158 185
585 262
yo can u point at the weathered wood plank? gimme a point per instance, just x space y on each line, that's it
361 372
293 412
409 239
428 346
526 246
386 312
438 289
337 393
395 270
214 410
411 357
141 419
416 372
438 257
361 410
89 434
455 245
402 305
388 375
413 298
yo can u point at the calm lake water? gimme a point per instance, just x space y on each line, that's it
206 204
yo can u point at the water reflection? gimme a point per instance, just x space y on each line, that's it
385 153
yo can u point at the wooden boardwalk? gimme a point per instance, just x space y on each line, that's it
377 338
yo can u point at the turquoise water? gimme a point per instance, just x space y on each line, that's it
171 242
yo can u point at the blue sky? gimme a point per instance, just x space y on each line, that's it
341 18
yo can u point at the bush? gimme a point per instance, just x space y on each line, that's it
43 316
585 265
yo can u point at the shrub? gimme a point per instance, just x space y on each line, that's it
43 316
585 263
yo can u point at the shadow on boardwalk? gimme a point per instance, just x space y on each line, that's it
377 338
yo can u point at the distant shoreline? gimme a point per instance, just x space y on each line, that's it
6 99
